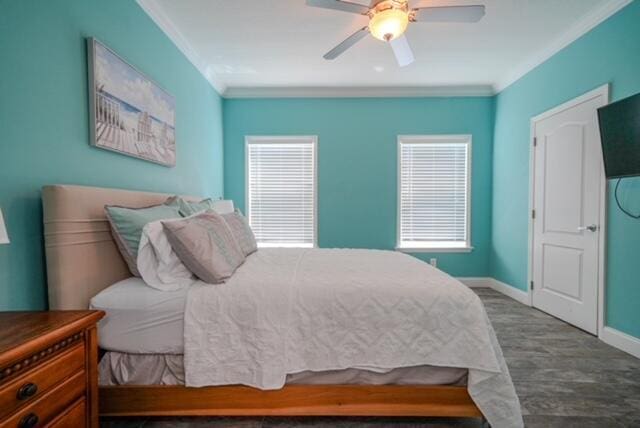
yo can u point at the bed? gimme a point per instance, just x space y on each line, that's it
83 263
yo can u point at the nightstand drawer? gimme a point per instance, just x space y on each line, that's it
48 366
38 381
75 417
49 405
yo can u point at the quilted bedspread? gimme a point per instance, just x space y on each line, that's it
291 310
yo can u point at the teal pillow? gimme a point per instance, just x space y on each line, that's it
127 224
188 208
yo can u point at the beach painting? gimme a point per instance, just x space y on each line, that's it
130 114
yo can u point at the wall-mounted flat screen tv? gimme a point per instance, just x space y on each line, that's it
620 135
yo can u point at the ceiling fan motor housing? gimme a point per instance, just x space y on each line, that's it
389 4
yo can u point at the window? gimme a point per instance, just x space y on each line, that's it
281 190
433 195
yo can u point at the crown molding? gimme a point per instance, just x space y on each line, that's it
157 15
359 91
580 28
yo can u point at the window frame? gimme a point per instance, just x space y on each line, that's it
466 139
283 139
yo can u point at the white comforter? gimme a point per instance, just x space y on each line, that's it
290 310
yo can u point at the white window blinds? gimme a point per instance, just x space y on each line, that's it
434 192
281 186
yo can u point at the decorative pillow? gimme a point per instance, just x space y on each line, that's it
206 245
241 231
159 266
127 224
188 208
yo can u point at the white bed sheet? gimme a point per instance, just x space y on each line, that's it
140 319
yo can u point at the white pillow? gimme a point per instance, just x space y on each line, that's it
158 264
223 206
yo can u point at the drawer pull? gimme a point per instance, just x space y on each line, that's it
27 390
29 421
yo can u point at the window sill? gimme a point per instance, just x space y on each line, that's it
434 249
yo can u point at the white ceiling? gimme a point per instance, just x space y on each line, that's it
271 47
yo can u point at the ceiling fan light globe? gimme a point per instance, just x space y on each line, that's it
389 24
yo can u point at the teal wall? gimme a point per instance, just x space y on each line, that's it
44 122
357 144
609 53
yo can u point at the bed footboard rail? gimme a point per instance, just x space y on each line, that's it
292 400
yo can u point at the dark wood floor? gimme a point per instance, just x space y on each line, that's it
564 378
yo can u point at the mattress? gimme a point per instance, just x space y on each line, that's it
118 368
140 319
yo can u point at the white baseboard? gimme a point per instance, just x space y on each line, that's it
620 340
515 293
488 282
475 282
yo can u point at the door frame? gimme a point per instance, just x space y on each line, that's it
602 235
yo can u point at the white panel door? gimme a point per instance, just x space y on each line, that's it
566 227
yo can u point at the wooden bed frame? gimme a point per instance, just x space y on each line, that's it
292 400
82 259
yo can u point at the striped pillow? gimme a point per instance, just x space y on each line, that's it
206 245
241 231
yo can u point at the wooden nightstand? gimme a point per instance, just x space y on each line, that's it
48 369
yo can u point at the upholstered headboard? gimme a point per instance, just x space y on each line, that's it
82 257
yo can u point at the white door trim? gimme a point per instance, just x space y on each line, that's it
600 91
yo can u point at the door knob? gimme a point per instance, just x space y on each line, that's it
590 228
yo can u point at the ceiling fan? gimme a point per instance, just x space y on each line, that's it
388 20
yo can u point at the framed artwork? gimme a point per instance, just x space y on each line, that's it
130 114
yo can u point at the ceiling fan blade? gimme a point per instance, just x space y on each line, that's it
347 43
402 51
343 6
450 14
